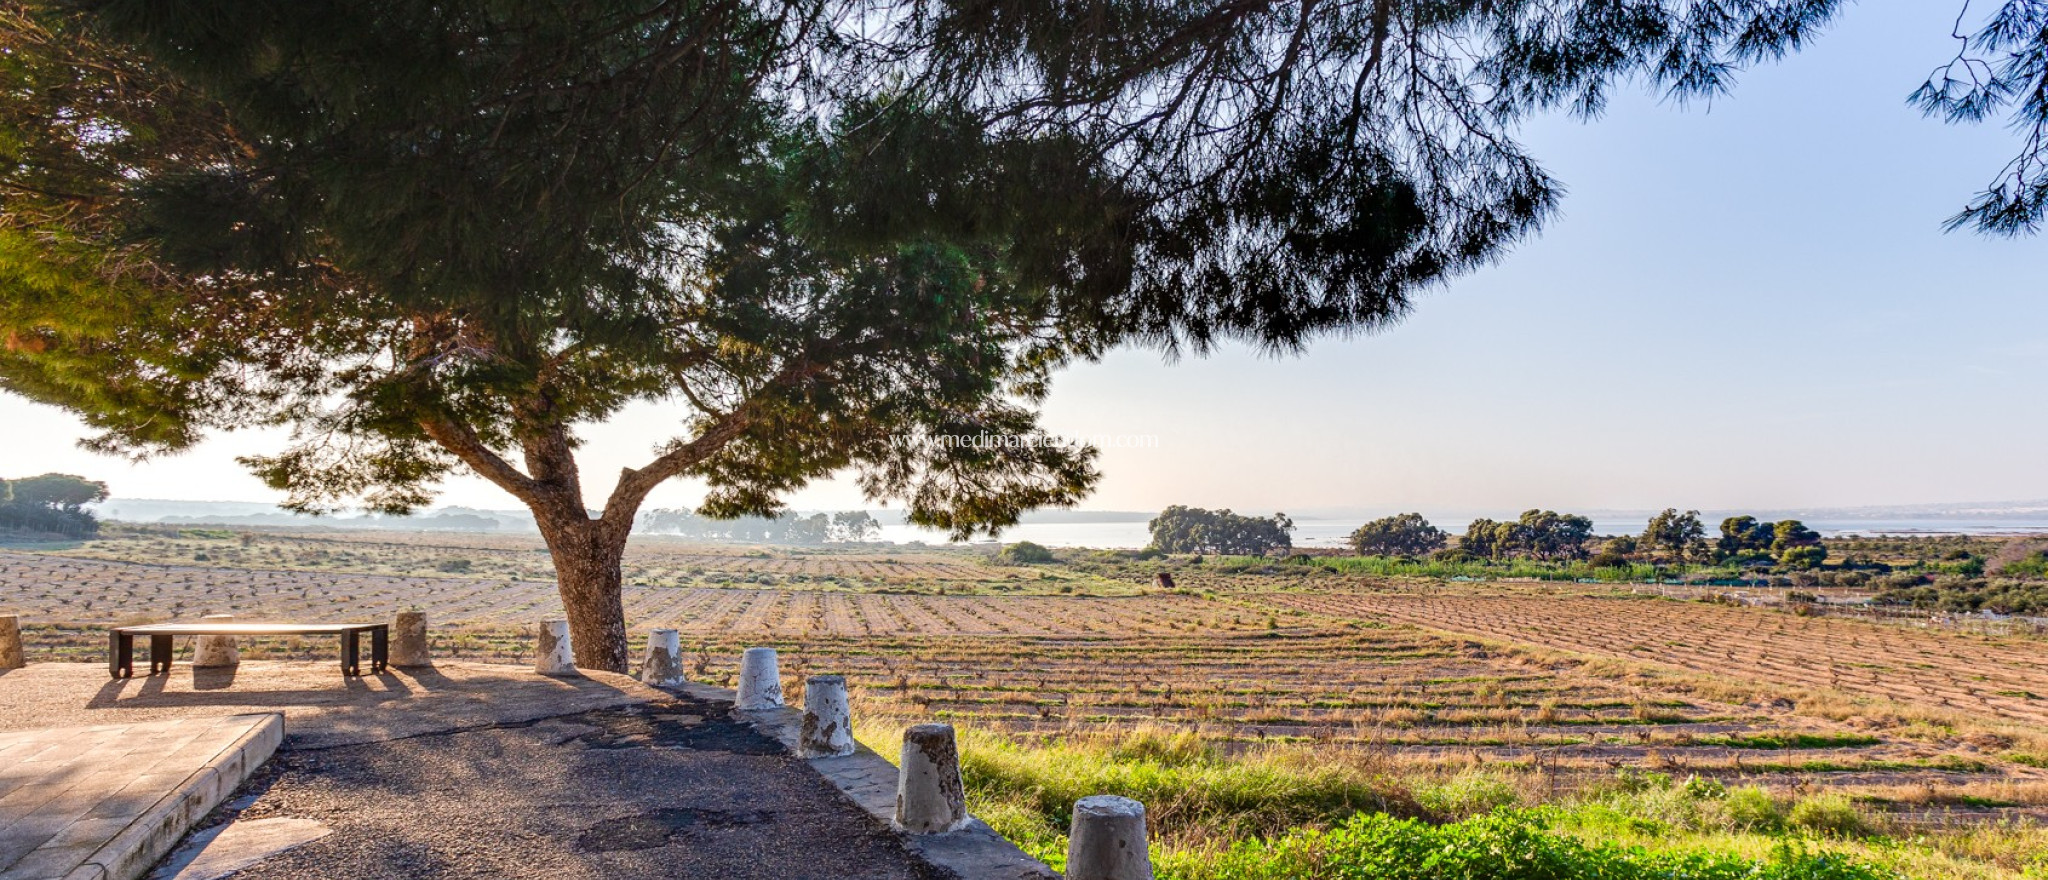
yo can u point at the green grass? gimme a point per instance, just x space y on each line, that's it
1788 740
1293 813
1506 845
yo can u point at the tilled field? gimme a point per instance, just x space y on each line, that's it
90 591
1411 673
2003 679
650 561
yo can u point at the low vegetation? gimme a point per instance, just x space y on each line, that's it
1280 813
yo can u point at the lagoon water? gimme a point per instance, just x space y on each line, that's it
1331 533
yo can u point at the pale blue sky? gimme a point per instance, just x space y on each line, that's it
1751 304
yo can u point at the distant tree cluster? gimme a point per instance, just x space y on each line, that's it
1789 542
1671 536
1678 536
1403 534
819 528
1538 534
53 503
1024 553
1179 529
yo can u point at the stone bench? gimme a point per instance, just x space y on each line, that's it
121 642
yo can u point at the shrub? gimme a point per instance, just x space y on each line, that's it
1470 793
1832 814
1024 553
1752 809
1806 557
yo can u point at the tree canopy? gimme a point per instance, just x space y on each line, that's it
53 503
1681 535
1744 534
1180 529
1405 534
1537 534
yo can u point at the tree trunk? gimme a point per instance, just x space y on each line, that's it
587 553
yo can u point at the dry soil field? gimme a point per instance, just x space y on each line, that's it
1570 683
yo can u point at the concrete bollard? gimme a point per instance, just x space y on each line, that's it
664 664
760 681
930 798
553 655
1107 841
409 640
828 719
11 655
216 651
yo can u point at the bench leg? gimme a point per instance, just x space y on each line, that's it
160 649
351 653
120 655
380 648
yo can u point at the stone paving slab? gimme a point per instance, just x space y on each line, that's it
104 802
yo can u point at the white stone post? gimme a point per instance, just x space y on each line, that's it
828 719
760 681
11 655
553 655
409 640
930 798
216 651
664 664
1107 841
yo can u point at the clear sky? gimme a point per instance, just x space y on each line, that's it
1747 305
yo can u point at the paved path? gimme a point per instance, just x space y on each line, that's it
667 789
111 800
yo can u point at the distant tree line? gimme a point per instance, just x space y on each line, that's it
790 528
1180 529
1669 537
51 503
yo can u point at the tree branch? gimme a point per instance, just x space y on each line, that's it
635 484
458 439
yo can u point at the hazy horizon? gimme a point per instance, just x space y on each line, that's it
1747 306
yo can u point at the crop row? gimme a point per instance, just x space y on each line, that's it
1977 675
94 591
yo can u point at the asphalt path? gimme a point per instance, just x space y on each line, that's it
672 788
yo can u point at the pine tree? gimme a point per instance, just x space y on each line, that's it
438 236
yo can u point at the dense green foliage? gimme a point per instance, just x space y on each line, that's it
1024 553
1745 534
1450 565
1538 534
1406 534
1504 846
1278 813
1179 529
1960 595
1679 536
51 503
